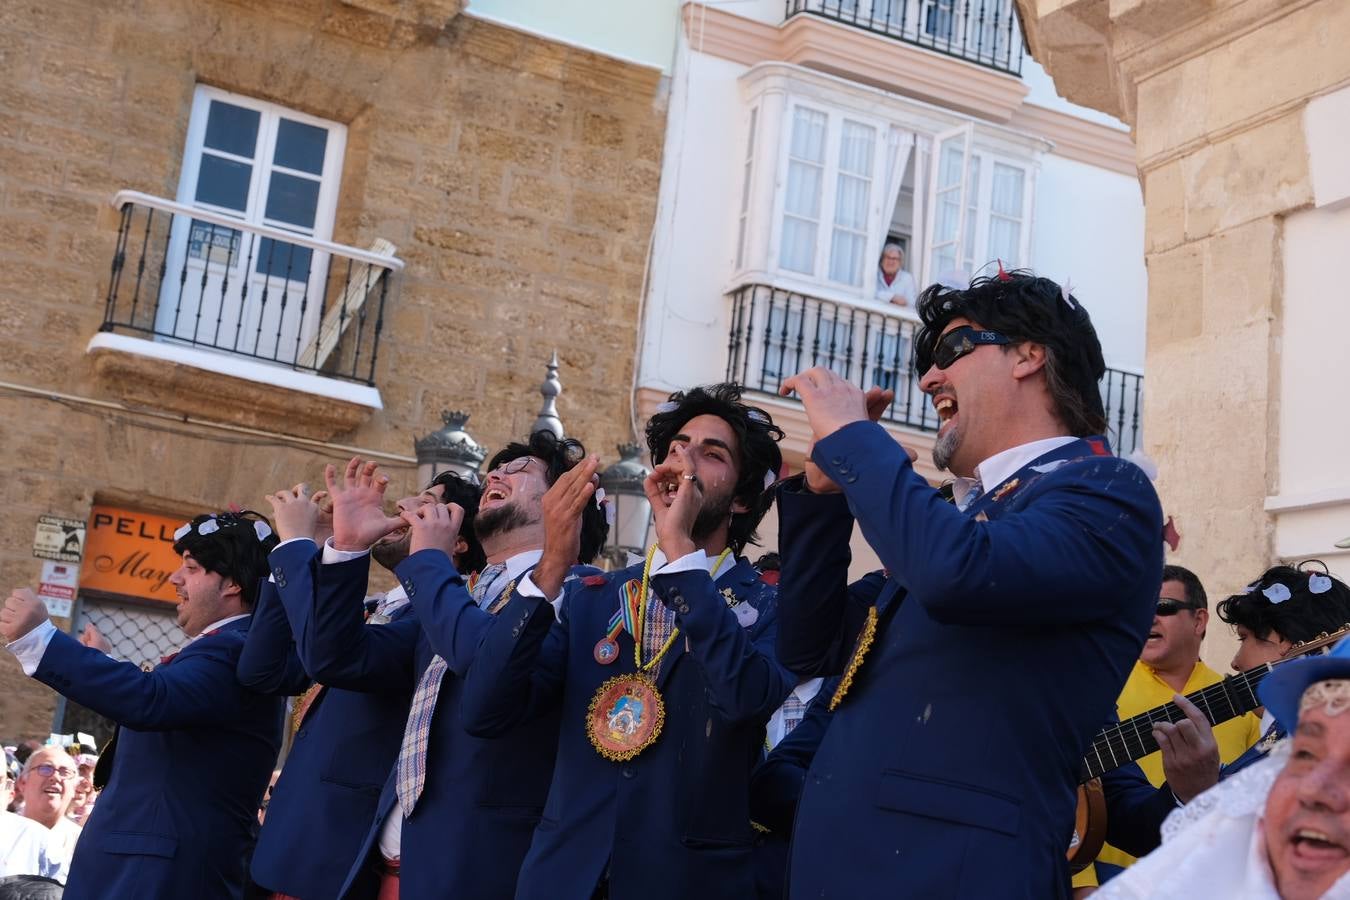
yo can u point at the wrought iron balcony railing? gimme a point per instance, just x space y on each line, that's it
984 32
775 333
202 278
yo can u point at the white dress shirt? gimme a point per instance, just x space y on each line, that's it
1000 467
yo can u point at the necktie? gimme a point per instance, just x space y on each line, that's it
793 712
976 489
412 756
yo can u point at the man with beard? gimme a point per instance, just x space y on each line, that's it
456 812
324 802
973 685
194 748
663 672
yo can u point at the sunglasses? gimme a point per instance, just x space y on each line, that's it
47 770
1169 607
953 345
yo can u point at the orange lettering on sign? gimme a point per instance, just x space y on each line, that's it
128 552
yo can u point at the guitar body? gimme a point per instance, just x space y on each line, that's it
1089 826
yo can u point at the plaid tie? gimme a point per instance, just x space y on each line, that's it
793 711
976 489
412 756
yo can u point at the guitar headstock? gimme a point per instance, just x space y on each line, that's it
1314 645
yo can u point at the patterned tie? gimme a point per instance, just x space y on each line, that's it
976 489
793 711
412 756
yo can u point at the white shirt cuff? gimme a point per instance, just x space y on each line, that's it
28 650
527 588
332 554
690 562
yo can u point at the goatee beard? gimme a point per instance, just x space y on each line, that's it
712 516
945 448
390 553
492 522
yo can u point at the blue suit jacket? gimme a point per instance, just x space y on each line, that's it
673 822
1006 634
325 800
194 753
482 797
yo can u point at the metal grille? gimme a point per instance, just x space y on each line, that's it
138 634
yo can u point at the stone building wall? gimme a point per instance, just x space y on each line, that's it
516 176
1215 91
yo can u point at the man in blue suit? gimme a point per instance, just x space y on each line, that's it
456 812
194 749
664 672
325 801
974 684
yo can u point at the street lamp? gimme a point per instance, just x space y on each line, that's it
450 448
622 484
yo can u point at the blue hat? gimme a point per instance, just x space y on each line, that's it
1282 689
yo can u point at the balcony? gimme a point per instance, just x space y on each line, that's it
208 315
776 333
983 32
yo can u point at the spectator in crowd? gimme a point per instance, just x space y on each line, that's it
194 749
894 284
23 842
1170 665
1283 607
8 777
85 792
47 785
1281 826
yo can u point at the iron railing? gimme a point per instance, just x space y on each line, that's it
984 32
198 277
775 333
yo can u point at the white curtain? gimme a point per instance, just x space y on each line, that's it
853 192
1005 218
801 203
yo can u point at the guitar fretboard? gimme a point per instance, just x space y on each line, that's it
1133 739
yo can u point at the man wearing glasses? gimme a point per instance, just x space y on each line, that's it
47 786
975 682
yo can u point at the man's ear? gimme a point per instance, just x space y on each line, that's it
1028 359
229 587
1202 621
461 547
738 506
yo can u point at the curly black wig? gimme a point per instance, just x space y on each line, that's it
235 546
559 455
1301 616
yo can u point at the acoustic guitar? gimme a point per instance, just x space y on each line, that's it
1133 739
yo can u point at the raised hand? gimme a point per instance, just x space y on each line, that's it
434 526
1190 754
675 511
359 519
562 506
22 612
295 513
830 401
92 637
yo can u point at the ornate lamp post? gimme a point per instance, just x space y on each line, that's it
449 448
622 483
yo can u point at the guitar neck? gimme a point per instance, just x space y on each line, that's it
1133 738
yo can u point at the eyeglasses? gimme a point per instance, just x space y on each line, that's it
1169 607
519 464
953 345
47 770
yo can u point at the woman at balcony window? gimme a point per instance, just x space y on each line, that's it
894 284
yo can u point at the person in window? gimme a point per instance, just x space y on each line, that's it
894 284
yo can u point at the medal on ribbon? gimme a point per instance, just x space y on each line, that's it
865 639
627 712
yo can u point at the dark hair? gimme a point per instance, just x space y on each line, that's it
1195 591
457 489
1303 616
559 455
769 562
1027 308
756 443
233 548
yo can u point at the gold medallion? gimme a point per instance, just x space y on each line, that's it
865 639
625 716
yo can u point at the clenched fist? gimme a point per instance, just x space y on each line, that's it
22 612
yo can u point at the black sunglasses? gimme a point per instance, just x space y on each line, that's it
953 345
1169 607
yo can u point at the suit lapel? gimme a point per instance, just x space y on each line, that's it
994 501
738 579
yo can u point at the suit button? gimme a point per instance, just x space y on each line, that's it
302 732
684 609
277 571
838 461
852 478
515 632
628 772
281 581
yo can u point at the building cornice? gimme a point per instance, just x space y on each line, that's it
899 68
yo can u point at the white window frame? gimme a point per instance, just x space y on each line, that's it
835 118
263 165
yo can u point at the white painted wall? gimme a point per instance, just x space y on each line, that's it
1088 226
641 31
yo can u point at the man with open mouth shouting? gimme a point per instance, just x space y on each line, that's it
972 686
663 672
457 811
